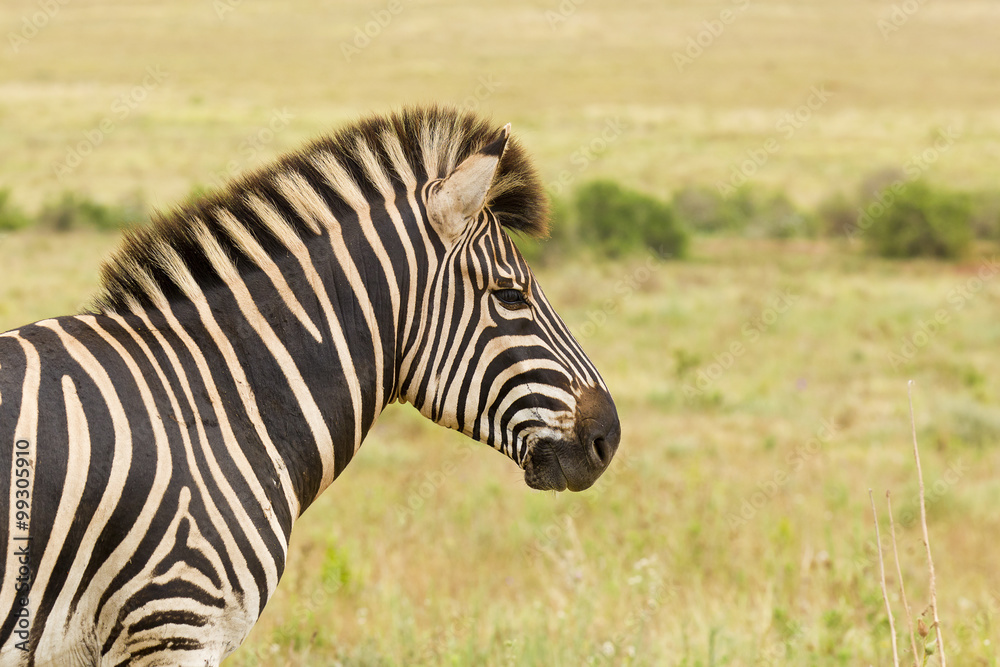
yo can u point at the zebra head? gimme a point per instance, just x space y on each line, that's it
493 360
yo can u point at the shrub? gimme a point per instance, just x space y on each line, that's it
74 211
984 217
705 211
920 222
874 182
620 221
11 217
838 216
773 216
745 212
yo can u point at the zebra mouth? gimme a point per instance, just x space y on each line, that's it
574 458
549 467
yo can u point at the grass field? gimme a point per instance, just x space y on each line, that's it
164 96
761 384
733 527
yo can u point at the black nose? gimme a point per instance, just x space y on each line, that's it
604 445
597 427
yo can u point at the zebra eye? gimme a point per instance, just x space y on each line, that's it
510 298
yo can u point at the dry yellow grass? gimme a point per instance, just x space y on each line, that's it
559 80
732 529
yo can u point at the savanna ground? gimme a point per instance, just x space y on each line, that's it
732 528
758 397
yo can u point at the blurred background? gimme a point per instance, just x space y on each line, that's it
767 217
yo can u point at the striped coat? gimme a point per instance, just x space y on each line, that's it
161 445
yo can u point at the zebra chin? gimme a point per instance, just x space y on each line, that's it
576 459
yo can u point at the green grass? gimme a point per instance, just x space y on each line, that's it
727 532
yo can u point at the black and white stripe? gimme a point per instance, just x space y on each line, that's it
240 349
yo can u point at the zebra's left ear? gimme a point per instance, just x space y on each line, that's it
463 192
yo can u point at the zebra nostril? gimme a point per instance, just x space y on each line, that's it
603 442
602 451
598 428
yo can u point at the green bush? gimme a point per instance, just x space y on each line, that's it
984 217
74 211
901 220
619 221
705 211
11 217
746 212
773 216
919 222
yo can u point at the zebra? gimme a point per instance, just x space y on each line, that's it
162 443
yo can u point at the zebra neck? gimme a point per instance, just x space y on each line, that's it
288 352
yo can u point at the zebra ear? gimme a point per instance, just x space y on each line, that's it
463 193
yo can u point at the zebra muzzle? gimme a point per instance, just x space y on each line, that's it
577 461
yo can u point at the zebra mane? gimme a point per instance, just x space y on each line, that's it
370 160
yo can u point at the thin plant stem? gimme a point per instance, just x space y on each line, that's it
923 523
899 574
885 593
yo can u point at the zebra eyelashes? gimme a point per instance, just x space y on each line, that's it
511 299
